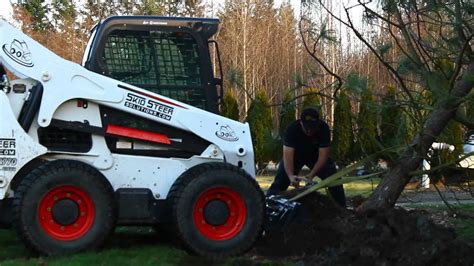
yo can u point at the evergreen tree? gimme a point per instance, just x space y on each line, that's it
38 12
393 126
469 107
188 8
230 107
94 11
287 115
343 135
260 119
193 8
153 8
65 40
63 10
312 100
367 124
453 135
287 112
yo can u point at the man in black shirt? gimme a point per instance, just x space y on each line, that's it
306 142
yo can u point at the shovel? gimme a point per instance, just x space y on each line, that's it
282 211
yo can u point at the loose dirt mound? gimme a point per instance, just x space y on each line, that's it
325 234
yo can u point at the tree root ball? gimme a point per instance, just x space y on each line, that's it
325 234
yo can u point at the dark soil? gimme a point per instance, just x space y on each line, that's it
325 234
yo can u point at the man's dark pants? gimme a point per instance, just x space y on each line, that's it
282 182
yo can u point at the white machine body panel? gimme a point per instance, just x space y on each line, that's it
16 147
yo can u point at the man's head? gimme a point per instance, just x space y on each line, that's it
309 121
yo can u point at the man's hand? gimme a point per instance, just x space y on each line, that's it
295 181
308 180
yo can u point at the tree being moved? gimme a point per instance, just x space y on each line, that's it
420 37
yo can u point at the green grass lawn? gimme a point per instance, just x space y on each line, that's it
265 181
465 229
11 247
151 255
361 188
128 246
463 221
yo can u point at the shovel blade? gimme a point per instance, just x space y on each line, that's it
280 212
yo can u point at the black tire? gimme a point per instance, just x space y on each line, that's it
77 201
239 223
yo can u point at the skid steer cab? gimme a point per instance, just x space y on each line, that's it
132 137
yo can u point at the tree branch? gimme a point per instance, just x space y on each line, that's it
459 64
379 57
461 118
313 55
441 166
413 55
457 25
372 12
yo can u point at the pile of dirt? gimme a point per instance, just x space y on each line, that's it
325 234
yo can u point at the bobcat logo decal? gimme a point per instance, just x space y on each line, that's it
226 133
19 52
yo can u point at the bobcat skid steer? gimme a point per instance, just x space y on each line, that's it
84 148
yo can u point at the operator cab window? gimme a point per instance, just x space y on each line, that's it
166 63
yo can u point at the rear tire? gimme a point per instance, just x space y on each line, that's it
64 207
217 210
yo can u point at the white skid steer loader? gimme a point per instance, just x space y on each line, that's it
84 148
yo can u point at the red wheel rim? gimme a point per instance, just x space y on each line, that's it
82 223
235 220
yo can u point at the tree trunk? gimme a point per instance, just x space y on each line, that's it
393 183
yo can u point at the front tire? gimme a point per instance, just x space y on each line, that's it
64 207
217 210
